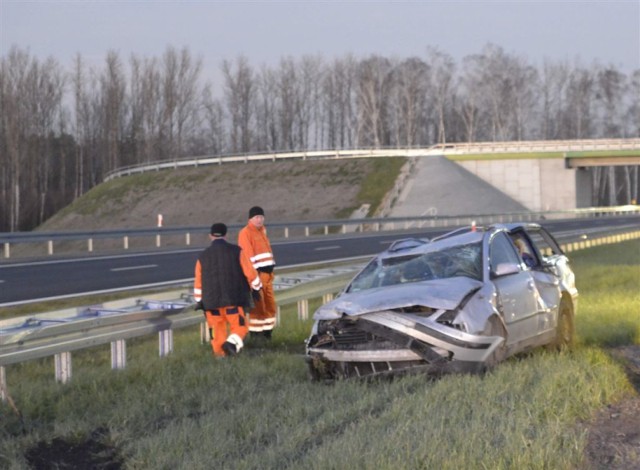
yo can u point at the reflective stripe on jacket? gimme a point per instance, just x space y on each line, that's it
255 244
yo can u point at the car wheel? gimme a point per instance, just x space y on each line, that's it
495 328
564 329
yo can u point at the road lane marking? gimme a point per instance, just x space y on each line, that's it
323 248
146 266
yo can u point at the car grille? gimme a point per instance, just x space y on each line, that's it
344 334
351 337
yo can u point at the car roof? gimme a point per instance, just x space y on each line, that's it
417 246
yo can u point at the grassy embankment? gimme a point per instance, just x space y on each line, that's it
260 411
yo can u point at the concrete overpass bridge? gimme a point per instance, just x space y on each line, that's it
543 175
463 178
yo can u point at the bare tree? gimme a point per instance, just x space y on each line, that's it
338 92
580 96
470 99
152 102
187 98
554 82
267 130
409 101
374 85
309 80
215 119
610 90
442 71
240 89
112 82
81 123
48 87
287 82
14 70
632 128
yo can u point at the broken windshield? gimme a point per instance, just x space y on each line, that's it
452 261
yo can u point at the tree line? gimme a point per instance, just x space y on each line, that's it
62 130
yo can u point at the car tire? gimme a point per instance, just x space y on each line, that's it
496 328
565 330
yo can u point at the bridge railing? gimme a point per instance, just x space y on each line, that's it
21 244
438 149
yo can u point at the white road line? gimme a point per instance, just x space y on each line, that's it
323 248
147 266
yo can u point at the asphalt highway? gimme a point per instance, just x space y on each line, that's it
37 280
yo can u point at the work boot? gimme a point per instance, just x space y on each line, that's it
267 334
256 338
229 348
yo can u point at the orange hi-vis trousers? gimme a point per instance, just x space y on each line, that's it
218 319
263 315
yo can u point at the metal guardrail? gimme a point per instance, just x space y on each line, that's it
287 230
59 333
438 149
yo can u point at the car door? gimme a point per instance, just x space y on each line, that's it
517 295
547 274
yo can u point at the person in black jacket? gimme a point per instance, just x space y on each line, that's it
224 280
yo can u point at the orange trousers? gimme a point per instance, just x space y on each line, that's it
263 315
219 319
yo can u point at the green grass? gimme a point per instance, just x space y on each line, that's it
378 182
606 314
191 411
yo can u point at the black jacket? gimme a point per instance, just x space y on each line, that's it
223 282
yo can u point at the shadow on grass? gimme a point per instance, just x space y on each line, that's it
92 452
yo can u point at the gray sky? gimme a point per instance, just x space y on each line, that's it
606 32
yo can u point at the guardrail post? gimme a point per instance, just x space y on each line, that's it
50 247
303 309
126 242
7 250
118 354
165 338
90 245
3 384
326 298
205 333
188 239
158 241
326 230
306 231
286 232
63 367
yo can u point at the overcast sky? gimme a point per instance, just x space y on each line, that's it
606 32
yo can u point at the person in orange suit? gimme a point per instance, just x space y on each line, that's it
254 242
224 280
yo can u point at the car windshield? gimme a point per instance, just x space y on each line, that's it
452 261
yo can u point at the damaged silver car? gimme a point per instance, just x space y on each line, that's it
461 302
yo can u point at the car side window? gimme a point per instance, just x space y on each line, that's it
545 243
525 250
502 250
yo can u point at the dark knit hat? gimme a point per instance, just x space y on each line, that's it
255 210
218 230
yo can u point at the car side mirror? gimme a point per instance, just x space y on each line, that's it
504 269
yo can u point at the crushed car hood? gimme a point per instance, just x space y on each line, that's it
438 294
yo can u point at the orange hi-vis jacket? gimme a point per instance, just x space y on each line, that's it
255 244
